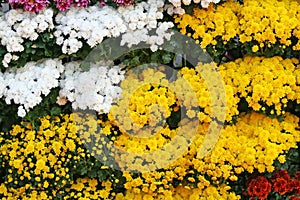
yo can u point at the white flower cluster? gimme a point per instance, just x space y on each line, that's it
17 25
95 23
92 24
175 7
76 26
95 89
25 86
141 20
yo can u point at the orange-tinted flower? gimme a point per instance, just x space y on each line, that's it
259 187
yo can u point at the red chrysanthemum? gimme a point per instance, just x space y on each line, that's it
297 183
294 198
297 175
281 174
259 187
297 186
282 186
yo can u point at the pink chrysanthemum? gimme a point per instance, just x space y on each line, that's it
82 3
124 2
102 3
35 5
63 4
17 3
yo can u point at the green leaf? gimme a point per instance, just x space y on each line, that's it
40 45
55 111
166 58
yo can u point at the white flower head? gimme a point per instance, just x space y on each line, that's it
21 111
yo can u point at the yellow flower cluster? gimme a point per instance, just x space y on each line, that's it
277 77
184 193
254 143
87 188
107 143
263 21
263 81
39 159
149 98
81 189
145 101
199 79
130 129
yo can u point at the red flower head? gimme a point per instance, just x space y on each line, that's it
259 187
16 3
297 175
297 186
294 198
281 174
297 182
281 185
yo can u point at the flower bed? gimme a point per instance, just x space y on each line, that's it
117 100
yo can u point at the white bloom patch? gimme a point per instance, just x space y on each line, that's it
77 27
175 6
141 20
92 24
26 86
17 25
95 89
95 23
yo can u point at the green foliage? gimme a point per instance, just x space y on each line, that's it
144 56
47 107
44 47
8 115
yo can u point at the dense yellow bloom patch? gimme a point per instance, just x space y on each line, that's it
263 21
87 188
146 100
254 143
81 189
183 193
40 159
264 81
199 80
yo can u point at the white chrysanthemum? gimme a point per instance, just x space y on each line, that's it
205 3
92 24
175 6
186 2
142 20
96 23
21 111
27 85
95 89
18 25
